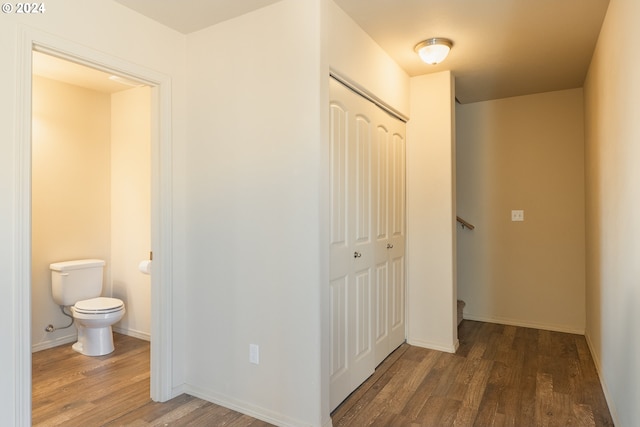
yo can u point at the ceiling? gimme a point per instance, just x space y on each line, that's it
187 16
502 48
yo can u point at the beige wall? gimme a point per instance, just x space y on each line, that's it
131 207
431 271
613 207
523 153
70 192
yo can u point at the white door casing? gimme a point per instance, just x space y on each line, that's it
367 238
161 212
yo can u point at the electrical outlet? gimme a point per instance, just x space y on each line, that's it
517 215
254 354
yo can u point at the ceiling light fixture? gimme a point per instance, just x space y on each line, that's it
434 50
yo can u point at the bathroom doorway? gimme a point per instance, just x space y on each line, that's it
161 216
90 190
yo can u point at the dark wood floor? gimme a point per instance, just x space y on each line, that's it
500 376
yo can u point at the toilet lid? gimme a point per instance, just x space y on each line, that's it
98 305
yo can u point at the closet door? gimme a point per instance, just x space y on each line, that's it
395 246
352 249
367 238
389 188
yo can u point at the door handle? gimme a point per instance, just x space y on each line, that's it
357 254
389 246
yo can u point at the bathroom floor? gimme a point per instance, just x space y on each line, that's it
70 389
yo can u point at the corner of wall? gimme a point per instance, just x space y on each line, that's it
431 293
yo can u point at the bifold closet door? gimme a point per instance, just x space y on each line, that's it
367 238
389 198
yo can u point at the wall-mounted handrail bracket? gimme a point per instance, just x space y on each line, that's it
465 224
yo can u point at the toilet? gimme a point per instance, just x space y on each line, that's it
78 285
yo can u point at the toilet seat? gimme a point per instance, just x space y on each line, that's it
100 305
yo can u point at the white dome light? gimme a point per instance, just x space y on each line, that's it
434 50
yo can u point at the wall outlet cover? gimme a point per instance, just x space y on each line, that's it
517 215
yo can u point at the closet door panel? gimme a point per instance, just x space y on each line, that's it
396 245
367 238
351 251
381 191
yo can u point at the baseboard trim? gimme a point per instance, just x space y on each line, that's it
132 333
607 395
243 407
68 339
54 343
434 346
524 324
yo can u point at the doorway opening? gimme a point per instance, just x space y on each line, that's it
160 209
90 190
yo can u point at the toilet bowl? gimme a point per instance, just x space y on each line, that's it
78 284
93 318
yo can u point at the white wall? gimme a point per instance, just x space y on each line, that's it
256 260
354 55
136 40
131 207
525 152
70 193
431 245
613 206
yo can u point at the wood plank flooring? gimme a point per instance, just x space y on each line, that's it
70 389
500 376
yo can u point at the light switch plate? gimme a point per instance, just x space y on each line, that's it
517 215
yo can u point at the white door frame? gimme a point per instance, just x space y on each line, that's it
161 217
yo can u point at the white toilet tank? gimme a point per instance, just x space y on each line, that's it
73 281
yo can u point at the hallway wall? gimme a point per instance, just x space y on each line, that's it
255 258
523 153
613 207
431 207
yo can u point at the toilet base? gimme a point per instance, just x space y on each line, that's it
94 341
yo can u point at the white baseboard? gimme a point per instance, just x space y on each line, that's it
44 345
243 407
133 333
68 339
435 346
524 324
603 383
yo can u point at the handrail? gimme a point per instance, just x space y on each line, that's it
465 223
